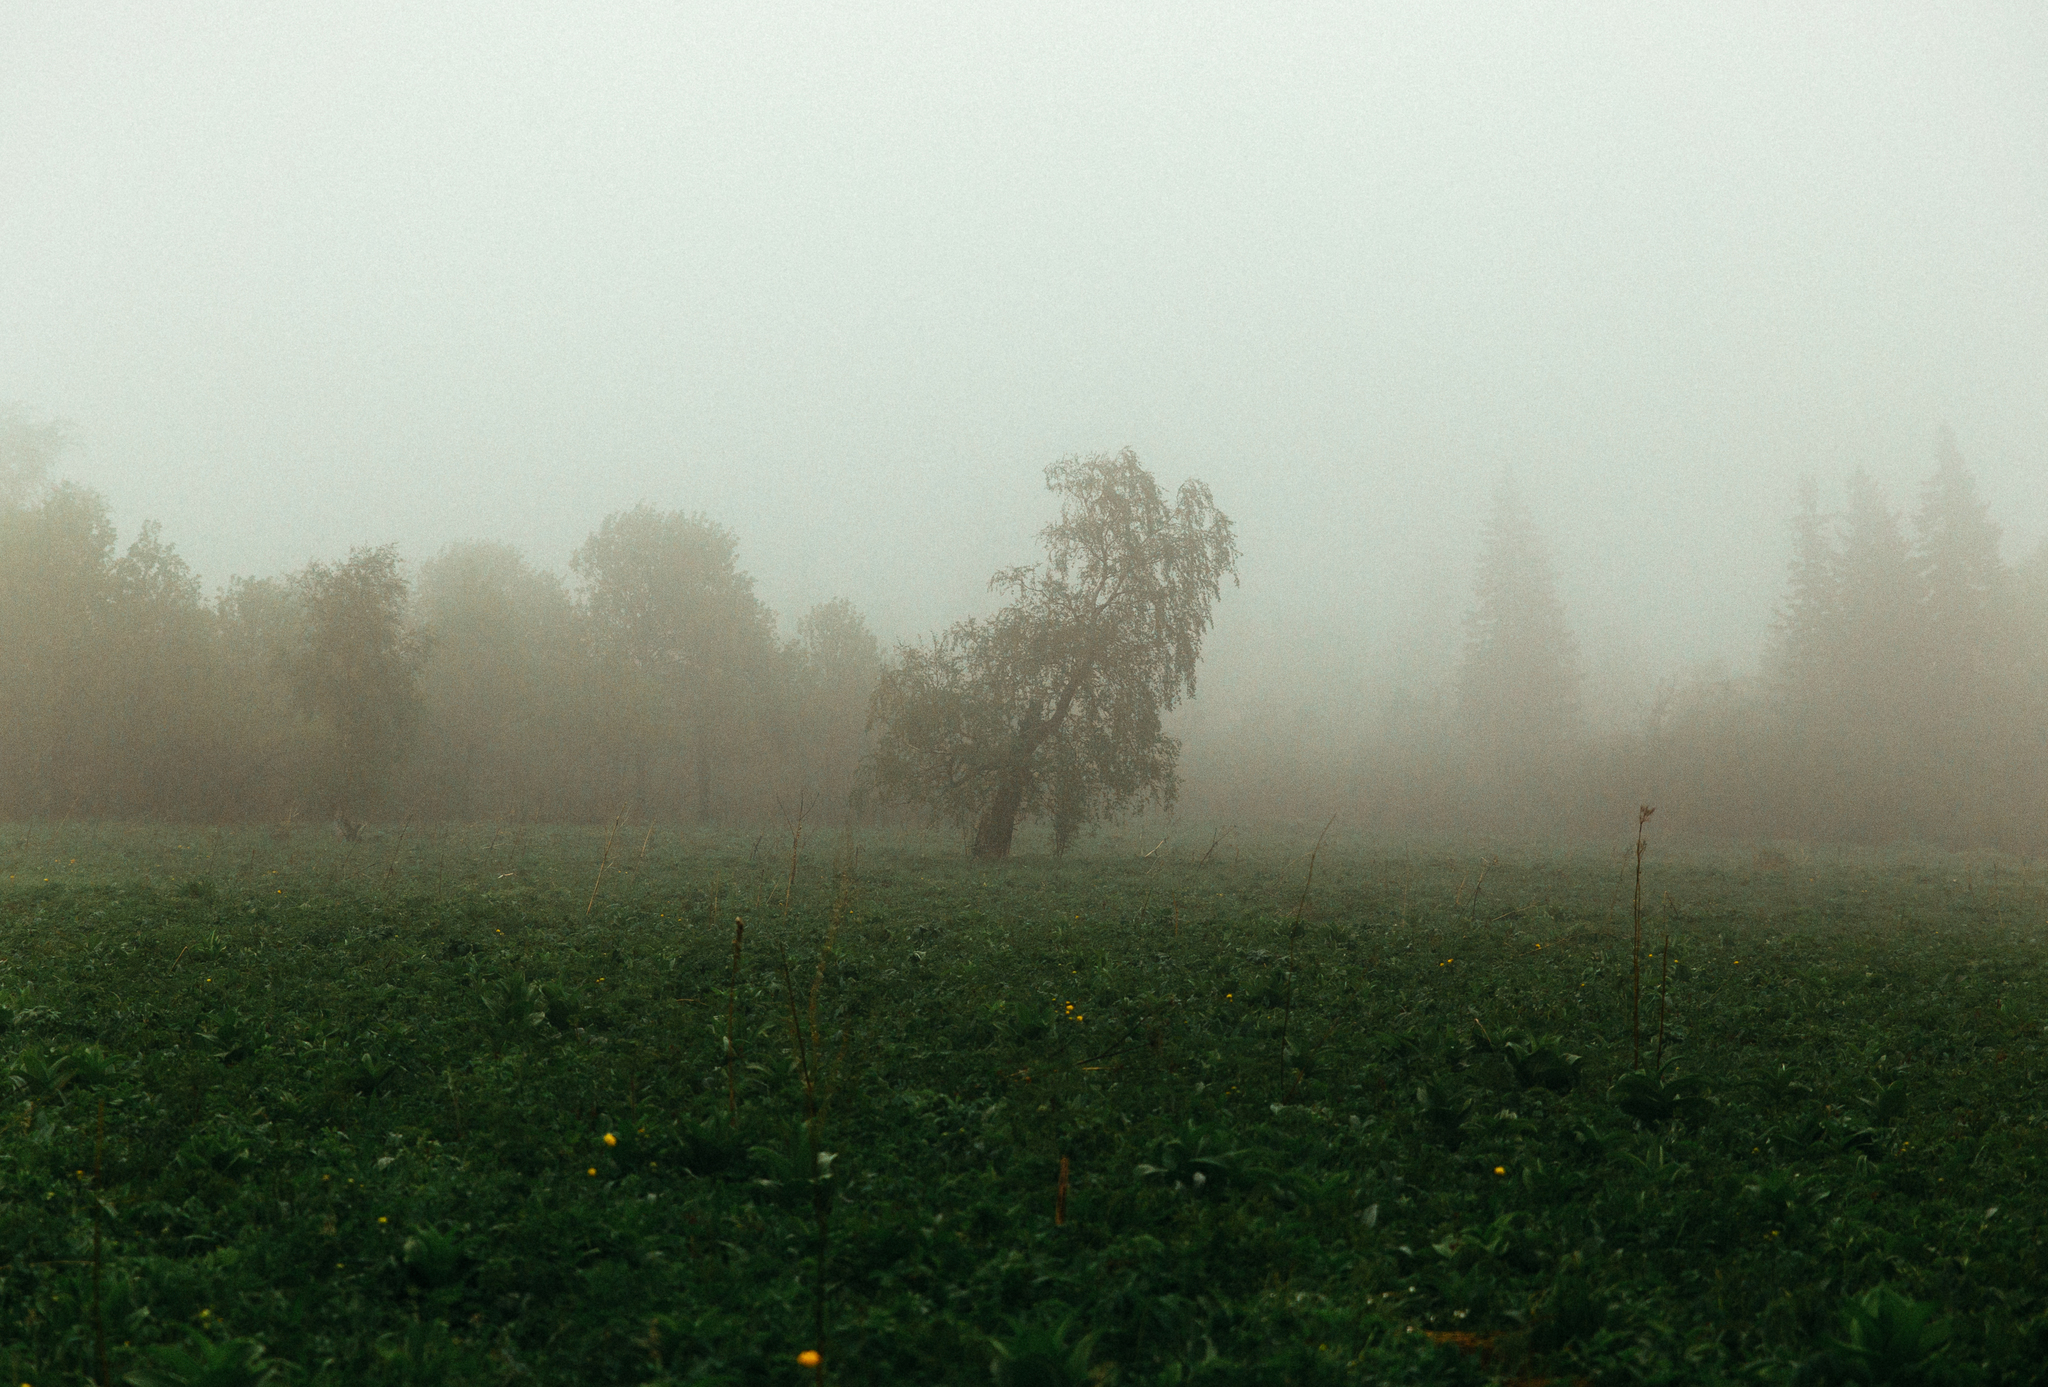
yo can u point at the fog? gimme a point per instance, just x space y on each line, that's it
845 283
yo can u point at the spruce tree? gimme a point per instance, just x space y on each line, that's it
1805 635
1518 685
2029 596
1961 577
1869 729
1881 613
1968 677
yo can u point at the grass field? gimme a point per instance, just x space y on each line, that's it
458 1106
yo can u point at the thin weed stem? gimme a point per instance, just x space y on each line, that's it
99 1195
396 849
1479 886
796 838
1663 995
732 1006
807 1047
603 858
1643 813
1293 936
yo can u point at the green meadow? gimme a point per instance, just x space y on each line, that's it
497 1104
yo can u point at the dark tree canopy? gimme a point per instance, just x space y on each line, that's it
1052 707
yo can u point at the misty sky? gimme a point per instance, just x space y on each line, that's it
847 278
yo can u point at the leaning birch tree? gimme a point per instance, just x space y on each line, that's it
1052 708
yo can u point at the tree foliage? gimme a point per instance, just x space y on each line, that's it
502 696
1901 661
676 625
354 671
109 682
1801 630
1962 581
56 612
490 690
1518 683
838 661
1052 707
28 451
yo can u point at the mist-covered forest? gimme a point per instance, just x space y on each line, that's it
651 680
1903 694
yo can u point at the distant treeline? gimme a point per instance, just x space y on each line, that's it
656 686
1904 697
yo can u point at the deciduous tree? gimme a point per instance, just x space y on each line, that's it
838 663
56 600
678 623
28 450
501 692
354 672
1053 706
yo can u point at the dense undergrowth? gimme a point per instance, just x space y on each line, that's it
457 1107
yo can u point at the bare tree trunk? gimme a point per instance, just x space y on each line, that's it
998 824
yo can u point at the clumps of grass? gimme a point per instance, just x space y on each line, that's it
1045 1353
1537 1061
204 1362
1884 1337
1660 1096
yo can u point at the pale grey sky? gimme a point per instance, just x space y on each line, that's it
846 278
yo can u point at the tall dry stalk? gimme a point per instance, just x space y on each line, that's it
603 858
396 849
99 1199
1293 936
732 1006
807 1045
796 838
1643 813
1663 997
1479 886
